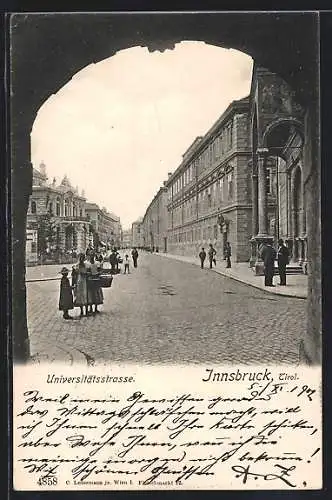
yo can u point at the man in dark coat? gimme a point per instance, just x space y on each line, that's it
212 252
202 256
283 260
268 255
134 255
228 253
114 261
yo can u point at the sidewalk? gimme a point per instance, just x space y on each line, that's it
43 351
44 273
297 284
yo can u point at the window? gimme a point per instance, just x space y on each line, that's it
81 212
230 185
66 208
33 207
221 189
50 208
214 150
33 246
58 208
268 181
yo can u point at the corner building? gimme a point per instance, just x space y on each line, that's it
209 194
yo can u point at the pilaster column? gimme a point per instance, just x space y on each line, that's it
252 164
262 195
262 237
254 177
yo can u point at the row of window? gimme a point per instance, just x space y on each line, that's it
215 150
210 197
194 235
73 210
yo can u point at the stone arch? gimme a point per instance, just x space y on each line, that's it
282 123
58 53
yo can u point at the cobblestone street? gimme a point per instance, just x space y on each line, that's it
168 311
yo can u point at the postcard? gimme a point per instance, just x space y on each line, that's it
166 251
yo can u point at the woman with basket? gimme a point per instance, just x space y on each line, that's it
79 283
95 292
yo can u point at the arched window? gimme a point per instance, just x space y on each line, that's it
58 206
33 207
74 209
66 208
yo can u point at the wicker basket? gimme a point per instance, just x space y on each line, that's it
105 280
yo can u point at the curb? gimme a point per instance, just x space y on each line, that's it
240 280
33 280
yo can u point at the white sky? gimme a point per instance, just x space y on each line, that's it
119 126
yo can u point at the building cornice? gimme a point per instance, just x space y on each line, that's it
234 108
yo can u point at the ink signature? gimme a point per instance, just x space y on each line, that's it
246 473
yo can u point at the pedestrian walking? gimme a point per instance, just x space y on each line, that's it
126 264
66 294
114 261
95 292
268 255
283 260
228 253
212 253
134 255
202 256
79 281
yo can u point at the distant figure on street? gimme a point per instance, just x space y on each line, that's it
66 302
126 264
283 260
114 261
268 255
202 256
212 252
228 253
134 255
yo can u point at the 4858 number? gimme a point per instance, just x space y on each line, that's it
48 481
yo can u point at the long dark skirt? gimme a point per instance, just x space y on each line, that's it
95 293
66 297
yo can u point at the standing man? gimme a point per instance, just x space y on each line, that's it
228 253
202 256
114 261
134 255
283 260
212 252
268 255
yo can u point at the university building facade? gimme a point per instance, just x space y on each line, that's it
242 182
209 194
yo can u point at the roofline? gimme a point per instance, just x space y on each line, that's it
162 189
231 109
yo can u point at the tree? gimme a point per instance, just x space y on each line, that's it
46 231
